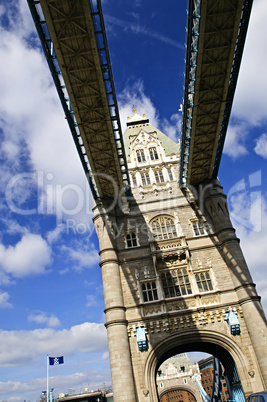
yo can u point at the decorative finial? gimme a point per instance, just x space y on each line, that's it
134 108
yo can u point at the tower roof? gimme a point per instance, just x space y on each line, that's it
136 119
136 124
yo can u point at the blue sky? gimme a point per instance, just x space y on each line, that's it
51 298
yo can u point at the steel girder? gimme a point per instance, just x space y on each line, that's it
73 37
215 39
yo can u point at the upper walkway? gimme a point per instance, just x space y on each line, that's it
73 37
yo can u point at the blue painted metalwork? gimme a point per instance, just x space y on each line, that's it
53 64
192 31
217 380
237 393
203 393
243 27
51 58
102 45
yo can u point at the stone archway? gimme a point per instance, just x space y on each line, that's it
217 344
179 389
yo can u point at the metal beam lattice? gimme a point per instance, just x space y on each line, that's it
53 64
243 27
192 33
214 48
84 82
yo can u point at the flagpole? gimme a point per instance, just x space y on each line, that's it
47 386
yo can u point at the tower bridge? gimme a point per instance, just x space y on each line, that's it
174 276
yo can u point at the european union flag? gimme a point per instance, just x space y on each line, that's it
54 361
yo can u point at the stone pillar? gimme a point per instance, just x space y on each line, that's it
116 323
216 206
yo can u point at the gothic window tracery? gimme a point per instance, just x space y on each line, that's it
163 227
203 281
140 153
176 283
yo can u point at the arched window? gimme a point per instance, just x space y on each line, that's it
163 228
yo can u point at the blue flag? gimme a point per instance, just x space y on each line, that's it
54 361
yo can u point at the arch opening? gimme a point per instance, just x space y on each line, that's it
229 356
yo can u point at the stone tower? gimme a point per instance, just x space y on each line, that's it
174 276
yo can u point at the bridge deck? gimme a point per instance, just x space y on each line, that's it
80 61
216 36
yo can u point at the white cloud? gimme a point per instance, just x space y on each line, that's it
29 256
34 125
247 216
91 300
55 234
18 347
82 257
134 95
60 383
249 104
261 146
4 297
137 27
5 279
235 141
43 318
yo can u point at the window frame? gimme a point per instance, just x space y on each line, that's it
140 155
149 291
159 177
153 153
170 174
206 283
134 180
198 227
145 178
177 285
163 230
131 239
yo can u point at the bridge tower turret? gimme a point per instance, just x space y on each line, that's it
174 276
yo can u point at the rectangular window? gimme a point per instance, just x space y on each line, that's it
198 228
145 179
134 180
159 176
149 291
131 240
140 155
153 153
203 281
176 283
